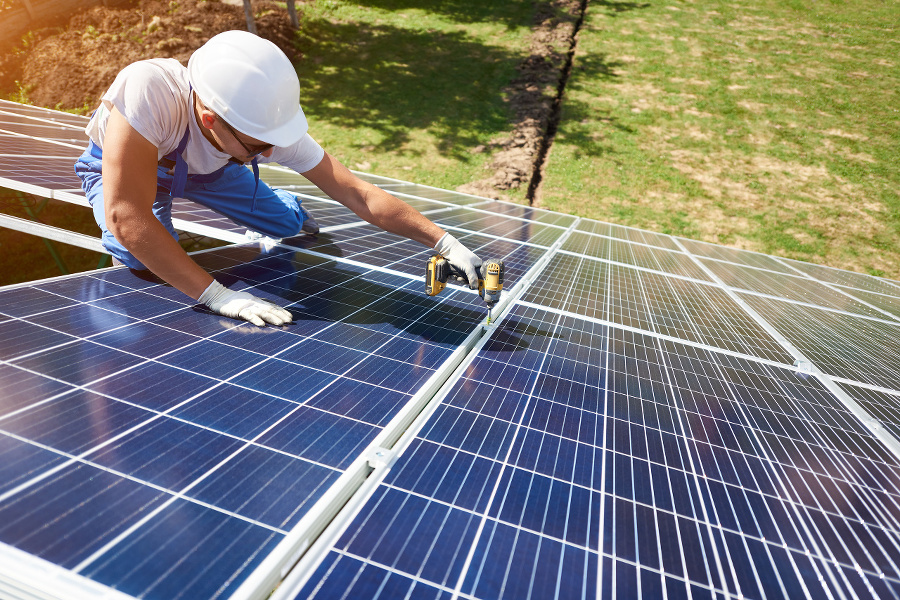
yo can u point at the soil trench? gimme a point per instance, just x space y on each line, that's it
535 98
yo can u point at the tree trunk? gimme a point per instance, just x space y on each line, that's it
248 12
292 12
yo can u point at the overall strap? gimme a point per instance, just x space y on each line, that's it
179 174
255 166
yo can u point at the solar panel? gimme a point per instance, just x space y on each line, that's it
647 416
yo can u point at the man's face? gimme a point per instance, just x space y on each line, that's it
248 148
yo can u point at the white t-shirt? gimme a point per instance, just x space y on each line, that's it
155 98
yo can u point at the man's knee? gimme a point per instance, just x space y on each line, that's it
289 226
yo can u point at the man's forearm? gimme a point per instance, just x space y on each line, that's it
372 203
389 213
149 241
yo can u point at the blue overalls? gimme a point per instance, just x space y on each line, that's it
233 191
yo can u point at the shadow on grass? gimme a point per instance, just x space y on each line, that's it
580 118
460 11
393 80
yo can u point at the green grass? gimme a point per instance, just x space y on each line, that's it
761 124
406 89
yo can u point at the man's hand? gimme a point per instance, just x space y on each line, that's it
241 305
460 257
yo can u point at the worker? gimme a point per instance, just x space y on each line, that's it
163 131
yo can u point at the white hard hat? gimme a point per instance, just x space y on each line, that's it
249 82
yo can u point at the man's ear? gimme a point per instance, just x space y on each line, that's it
207 118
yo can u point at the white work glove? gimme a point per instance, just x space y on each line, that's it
460 257
241 305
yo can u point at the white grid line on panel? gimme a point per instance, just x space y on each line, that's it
865 351
611 261
655 334
612 238
214 382
718 561
80 148
880 280
506 464
891 318
255 438
341 521
83 121
768 458
891 321
299 575
889 440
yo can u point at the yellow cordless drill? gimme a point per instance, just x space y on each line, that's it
490 279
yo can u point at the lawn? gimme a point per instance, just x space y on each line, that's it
411 89
766 125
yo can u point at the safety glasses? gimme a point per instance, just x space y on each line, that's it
251 150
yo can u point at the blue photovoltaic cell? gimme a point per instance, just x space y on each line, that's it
200 437
790 287
628 233
887 303
489 223
528 213
674 307
848 278
883 405
43 115
635 254
73 136
370 245
736 256
152 562
642 465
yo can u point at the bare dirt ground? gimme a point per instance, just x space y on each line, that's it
532 96
69 67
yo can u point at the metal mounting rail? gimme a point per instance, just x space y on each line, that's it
52 233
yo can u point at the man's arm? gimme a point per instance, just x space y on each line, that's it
391 214
372 203
129 190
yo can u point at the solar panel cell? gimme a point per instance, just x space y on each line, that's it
76 422
173 555
847 278
245 486
19 461
20 338
366 581
788 287
70 514
67 120
736 256
840 345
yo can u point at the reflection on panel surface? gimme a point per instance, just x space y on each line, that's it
205 439
578 460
